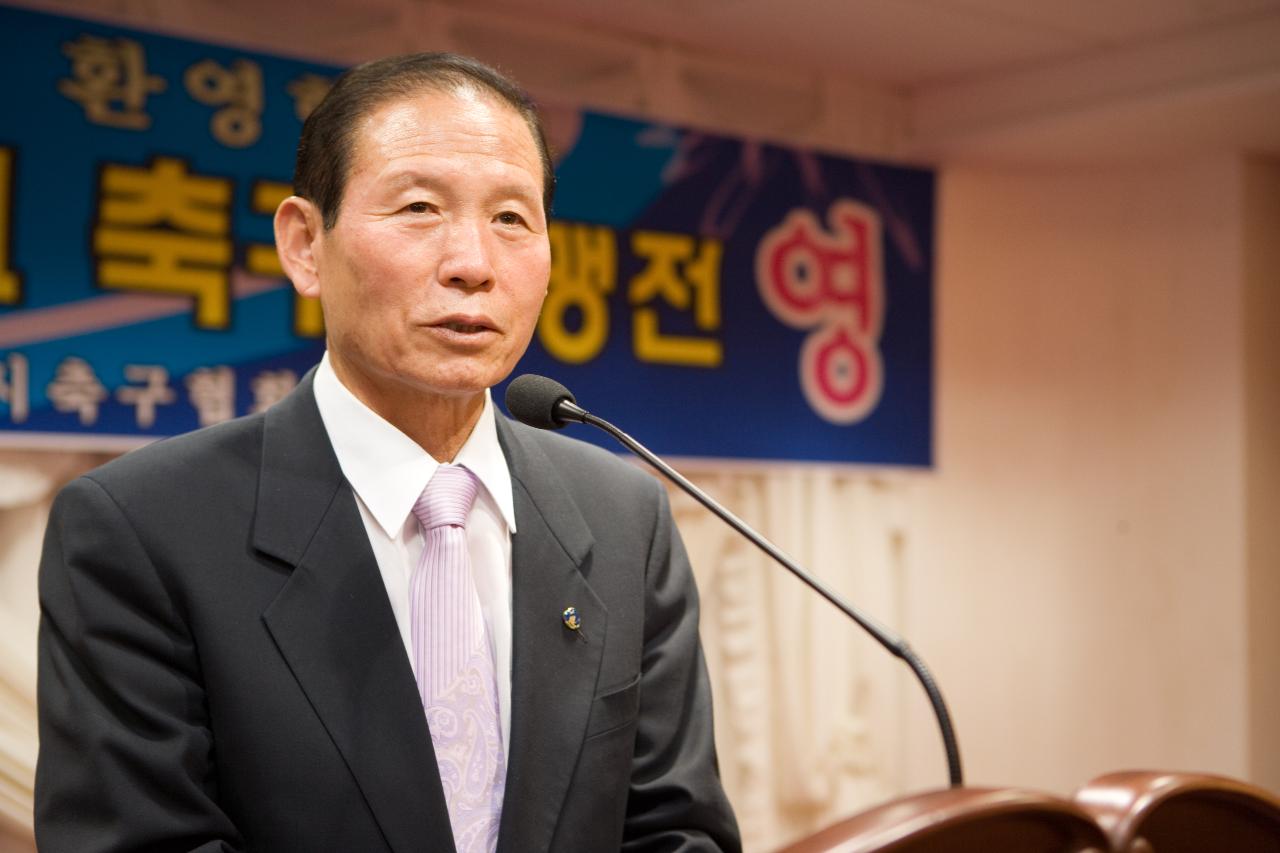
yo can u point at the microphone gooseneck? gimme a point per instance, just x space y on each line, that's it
544 403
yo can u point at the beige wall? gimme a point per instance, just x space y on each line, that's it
1080 559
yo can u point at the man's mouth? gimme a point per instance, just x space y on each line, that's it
465 324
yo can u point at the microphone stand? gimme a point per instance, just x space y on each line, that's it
565 411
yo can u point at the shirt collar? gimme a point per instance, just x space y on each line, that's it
389 470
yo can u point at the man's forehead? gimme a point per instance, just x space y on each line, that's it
436 113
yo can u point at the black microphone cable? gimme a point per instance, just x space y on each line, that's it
546 404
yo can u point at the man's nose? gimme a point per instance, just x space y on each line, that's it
466 262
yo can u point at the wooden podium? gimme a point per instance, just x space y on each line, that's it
1129 812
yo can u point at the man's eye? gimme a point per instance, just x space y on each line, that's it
508 217
418 207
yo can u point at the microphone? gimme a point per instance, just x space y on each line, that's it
541 402
546 404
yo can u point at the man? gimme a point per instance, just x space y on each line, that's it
238 643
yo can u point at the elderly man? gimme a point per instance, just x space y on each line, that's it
380 616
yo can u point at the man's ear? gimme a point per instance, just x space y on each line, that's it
299 230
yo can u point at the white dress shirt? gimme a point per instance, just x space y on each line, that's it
388 471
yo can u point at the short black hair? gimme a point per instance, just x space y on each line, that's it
325 147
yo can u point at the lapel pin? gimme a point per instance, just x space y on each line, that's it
572 621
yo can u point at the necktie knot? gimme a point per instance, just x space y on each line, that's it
447 499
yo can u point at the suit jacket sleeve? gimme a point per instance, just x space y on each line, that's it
676 802
125 748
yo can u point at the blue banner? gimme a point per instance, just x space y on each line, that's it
718 297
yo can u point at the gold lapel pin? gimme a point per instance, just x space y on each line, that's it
572 621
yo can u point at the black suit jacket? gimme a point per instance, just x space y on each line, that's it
220 668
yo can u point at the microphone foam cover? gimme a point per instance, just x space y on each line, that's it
532 399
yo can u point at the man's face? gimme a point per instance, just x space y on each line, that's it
433 275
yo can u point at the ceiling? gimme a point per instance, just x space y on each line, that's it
1004 80
907 44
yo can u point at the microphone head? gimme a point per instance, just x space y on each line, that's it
534 400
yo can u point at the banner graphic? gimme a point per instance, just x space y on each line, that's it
717 297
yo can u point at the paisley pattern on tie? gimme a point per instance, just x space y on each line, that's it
454 664
469 756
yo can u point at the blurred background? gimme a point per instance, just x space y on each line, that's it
1091 563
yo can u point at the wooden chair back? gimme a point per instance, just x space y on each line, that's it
963 820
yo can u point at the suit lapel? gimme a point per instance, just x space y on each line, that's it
334 626
553 669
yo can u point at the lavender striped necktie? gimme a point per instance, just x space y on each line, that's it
454 663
